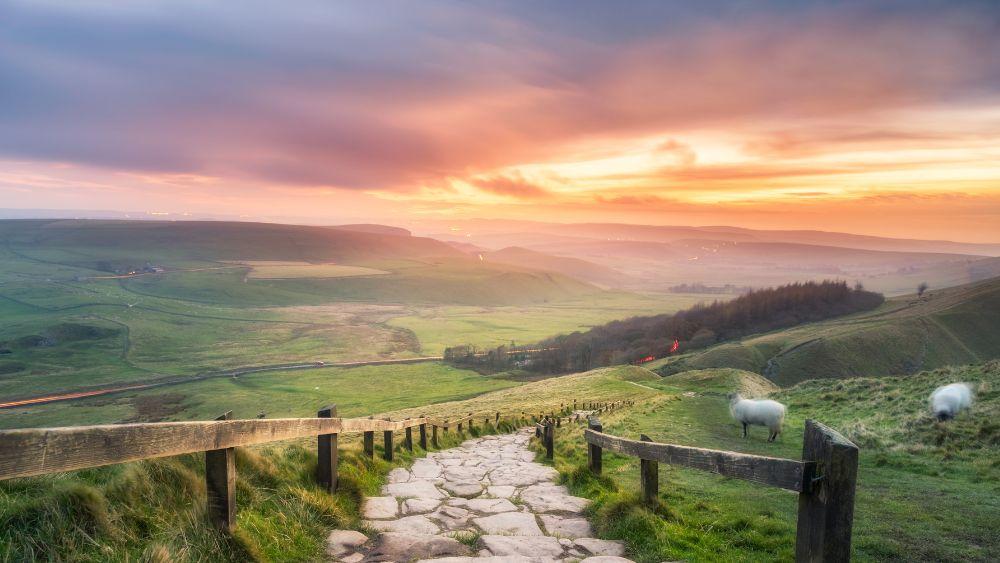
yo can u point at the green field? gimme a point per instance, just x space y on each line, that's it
356 392
275 269
439 327
946 327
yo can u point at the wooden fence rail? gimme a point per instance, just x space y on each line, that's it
39 451
825 478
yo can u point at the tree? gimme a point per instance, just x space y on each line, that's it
921 289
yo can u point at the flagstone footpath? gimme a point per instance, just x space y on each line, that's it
488 492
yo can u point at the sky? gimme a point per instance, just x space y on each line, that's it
870 117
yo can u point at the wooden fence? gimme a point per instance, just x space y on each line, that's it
39 451
825 478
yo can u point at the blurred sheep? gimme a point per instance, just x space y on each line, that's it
760 412
948 400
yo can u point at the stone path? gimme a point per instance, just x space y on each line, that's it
486 500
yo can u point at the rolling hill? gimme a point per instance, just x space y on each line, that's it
572 267
953 326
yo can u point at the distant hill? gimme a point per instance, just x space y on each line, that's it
959 325
654 258
657 233
205 261
375 229
217 240
573 267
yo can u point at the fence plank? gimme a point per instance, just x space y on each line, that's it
826 510
28 452
326 448
220 484
777 472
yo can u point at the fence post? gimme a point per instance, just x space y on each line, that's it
649 472
326 470
408 437
387 445
445 427
498 417
369 441
549 438
593 451
434 435
826 504
220 482
423 435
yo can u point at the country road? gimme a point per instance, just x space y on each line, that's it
54 398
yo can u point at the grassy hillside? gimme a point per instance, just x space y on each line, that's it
951 326
927 491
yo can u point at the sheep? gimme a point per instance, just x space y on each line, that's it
762 412
948 400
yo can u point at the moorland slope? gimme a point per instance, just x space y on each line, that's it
907 334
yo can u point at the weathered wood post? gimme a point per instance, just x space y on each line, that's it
538 430
434 435
472 422
369 443
593 451
423 435
408 437
387 445
326 447
649 473
549 436
445 426
459 425
574 404
498 417
220 482
826 506
559 422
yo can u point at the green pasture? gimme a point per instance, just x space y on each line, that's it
926 492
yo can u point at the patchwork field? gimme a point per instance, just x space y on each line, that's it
71 323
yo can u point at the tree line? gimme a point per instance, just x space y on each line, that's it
637 338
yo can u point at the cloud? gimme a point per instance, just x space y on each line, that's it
513 186
391 96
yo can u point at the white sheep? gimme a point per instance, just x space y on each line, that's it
948 400
762 412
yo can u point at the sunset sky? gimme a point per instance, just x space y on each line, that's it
869 117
